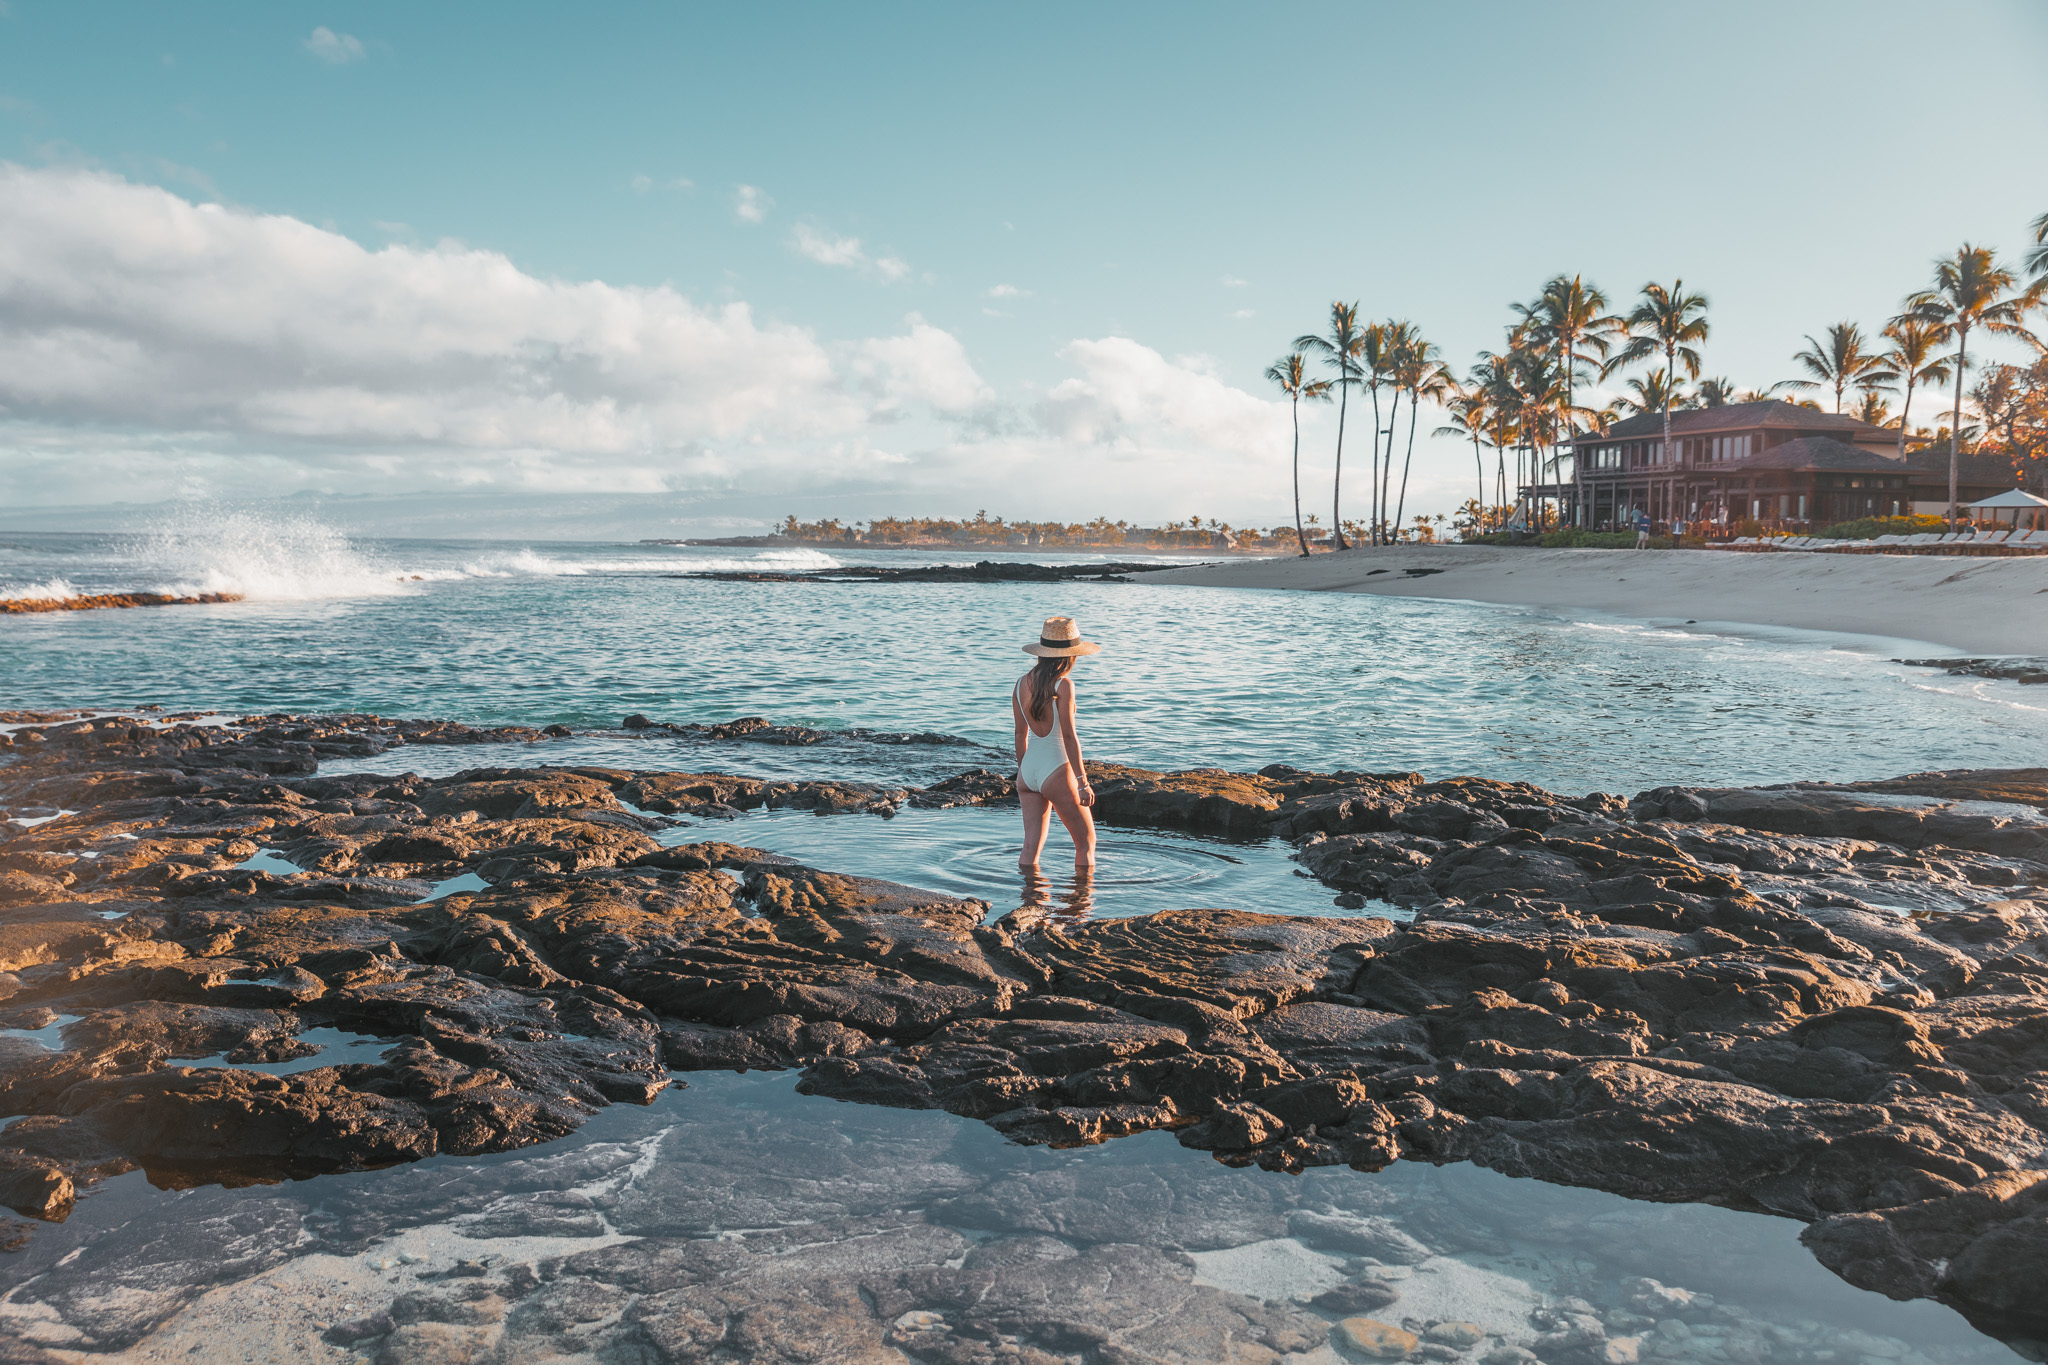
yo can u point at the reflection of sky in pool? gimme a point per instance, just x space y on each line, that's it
337 1048
972 851
734 1159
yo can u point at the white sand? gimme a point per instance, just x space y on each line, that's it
1968 605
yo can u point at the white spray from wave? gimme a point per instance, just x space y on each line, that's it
534 563
52 590
264 557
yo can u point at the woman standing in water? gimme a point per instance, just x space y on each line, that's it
1050 776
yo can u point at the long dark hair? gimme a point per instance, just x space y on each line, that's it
1040 682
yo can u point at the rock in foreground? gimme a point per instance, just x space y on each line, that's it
1699 996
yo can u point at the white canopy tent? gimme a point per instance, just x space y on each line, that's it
2019 502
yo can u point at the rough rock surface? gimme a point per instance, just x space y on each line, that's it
1825 1002
10 606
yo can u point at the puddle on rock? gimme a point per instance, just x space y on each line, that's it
972 851
812 1229
49 1036
337 1048
468 881
263 860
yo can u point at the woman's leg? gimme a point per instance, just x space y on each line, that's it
1037 814
1079 820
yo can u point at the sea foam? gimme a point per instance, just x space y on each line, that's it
50 590
264 557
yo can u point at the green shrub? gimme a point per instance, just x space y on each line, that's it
1870 528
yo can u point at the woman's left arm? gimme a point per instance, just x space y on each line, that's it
1072 736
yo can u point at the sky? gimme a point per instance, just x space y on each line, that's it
723 263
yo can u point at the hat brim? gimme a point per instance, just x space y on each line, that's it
1072 651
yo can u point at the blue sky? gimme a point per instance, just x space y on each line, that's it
1033 259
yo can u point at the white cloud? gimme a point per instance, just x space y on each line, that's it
1008 291
750 204
642 183
1244 313
926 365
828 250
151 346
336 49
1131 398
217 330
844 252
1233 282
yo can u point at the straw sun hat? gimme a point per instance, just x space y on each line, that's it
1061 638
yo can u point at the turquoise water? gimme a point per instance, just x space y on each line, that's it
585 634
537 633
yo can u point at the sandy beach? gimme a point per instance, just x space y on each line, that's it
1977 606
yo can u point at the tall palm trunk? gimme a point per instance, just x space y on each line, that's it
1955 426
1479 467
1374 538
1905 411
1414 405
1389 535
1670 370
1337 482
1300 538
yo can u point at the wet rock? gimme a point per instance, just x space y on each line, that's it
1356 1297
1699 995
1379 1238
1373 1339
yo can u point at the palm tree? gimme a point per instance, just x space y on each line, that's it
1651 395
1912 359
1290 373
1466 407
1670 322
1494 377
1715 393
1873 409
1571 316
1419 369
2037 259
1841 361
1971 289
1376 363
1339 351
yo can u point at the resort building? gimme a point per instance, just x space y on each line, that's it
1977 477
1771 462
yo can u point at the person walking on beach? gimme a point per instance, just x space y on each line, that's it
1642 529
1050 776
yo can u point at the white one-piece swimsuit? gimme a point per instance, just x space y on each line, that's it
1044 754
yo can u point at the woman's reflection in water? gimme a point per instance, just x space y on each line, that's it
1054 901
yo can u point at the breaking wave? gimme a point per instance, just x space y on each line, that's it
50 590
262 556
513 563
265 557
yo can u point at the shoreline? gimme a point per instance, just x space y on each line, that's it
1979 606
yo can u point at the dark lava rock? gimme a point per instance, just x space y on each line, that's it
1708 995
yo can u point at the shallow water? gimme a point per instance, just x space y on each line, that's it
736 1161
972 852
585 634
